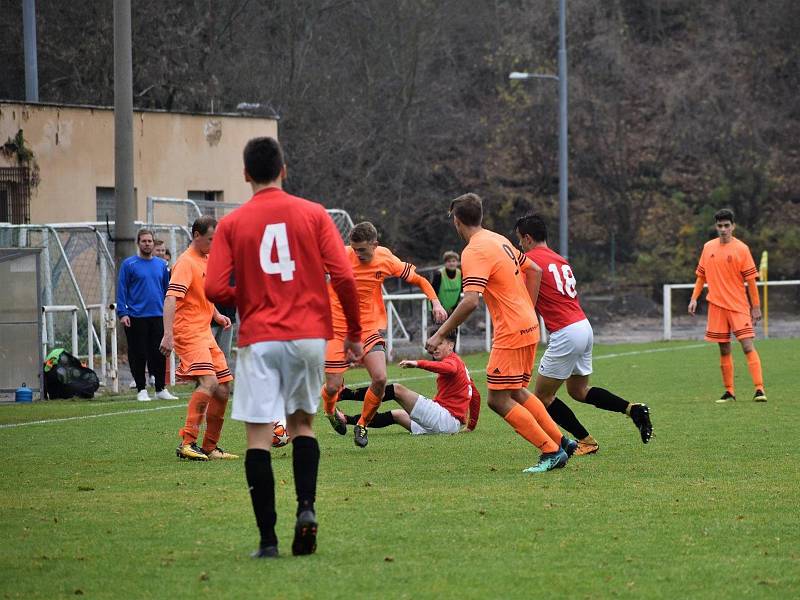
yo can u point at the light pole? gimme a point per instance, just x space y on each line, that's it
563 241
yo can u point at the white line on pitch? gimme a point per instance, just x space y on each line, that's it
357 384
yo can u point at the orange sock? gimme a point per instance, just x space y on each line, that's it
194 416
534 406
726 364
215 417
371 404
754 365
329 400
524 424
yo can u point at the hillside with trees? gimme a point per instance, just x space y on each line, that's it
390 108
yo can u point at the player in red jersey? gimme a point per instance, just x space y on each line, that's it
277 249
457 402
568 357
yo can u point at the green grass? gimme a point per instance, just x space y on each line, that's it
102 508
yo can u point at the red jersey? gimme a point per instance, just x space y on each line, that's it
455 390
558 299
269 257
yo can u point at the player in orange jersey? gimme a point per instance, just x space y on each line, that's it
187 329
509 282
724 264
372 264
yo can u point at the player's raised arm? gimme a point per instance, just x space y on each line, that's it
220 267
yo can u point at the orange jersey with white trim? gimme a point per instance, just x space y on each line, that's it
193 313
725 267
491 266
369 279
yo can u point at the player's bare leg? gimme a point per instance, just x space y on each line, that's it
305 462
330 396
375 363
754 365
580 390
546 389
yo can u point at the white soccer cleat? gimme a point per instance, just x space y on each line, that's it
143 396
165 395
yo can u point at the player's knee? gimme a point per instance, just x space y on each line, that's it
725 349
223 392
399 389
379 384
578 393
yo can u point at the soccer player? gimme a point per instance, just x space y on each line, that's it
568 357
509 283
457 401
187 317
724 264
371 264
278 248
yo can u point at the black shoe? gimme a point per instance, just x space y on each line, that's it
338 422
726 397
568 445
759 396
640 415
265 552
305 533
360 436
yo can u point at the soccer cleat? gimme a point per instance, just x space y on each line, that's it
265 552
726 397
143 396
568 445
191 452
305 533
338 421
759 396
219 453
549 461
165 395
360 436
640 415
590 446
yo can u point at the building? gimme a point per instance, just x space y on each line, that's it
57 161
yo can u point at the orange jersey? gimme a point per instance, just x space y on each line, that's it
725 267
492 267
369 281
194 311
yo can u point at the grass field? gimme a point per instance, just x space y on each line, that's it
102 508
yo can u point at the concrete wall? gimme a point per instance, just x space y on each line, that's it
173 153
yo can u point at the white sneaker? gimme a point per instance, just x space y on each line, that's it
165 395
143 396
152 381
132 385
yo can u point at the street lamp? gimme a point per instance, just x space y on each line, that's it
563 242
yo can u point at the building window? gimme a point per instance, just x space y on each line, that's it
106 205
15 195
204 198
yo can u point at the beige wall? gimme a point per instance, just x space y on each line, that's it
173 153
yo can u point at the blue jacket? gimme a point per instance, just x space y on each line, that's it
141 287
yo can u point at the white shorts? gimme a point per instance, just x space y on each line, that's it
429 417
275 379
569 352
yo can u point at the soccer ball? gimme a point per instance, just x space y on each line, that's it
280 436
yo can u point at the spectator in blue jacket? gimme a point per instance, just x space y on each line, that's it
141 288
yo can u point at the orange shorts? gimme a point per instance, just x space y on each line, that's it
510 369
335 357
722 322
201 360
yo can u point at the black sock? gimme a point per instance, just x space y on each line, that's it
563 416
258 470
383 419
358 395
605 400
389 393
305 461
348 394
352 419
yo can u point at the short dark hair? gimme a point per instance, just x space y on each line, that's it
202 224
364 232
724 214
158 242
263 159
468 209
534 226
450 337
142 232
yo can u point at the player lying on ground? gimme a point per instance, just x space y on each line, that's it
457 401
568 357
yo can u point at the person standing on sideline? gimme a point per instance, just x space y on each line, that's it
446 282
278 248
725 264
568 357
160 250
509 283
187 314
141 286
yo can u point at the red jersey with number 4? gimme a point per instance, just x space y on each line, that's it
558 299
275 250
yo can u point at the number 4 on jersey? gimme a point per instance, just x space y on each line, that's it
275 235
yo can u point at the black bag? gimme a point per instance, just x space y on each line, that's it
66 377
